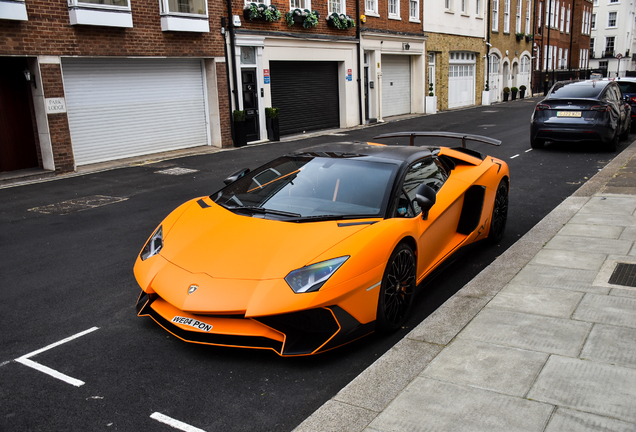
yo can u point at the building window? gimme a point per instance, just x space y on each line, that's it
562 18
556 16
609 46
300 4
495 15
414 10
506 16
613 1
539 17
518 18
335 6
463 6
371 7
117 3
186 7
478 7
111 13
528 31
394 8
447 5
611 19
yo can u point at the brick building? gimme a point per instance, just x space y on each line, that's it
86 81
561 39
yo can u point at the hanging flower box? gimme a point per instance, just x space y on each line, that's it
306 17
340 21
261 12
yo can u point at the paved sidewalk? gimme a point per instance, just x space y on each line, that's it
538 341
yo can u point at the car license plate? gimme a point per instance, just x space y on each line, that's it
568 113
192 323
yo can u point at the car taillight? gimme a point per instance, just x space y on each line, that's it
600 108
542 107
633 98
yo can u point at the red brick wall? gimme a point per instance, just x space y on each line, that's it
384 23
224 103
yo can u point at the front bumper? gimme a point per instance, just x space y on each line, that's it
292 334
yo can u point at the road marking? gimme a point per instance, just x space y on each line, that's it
529 150
512 157
174 423
47 370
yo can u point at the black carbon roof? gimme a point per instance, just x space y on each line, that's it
349 149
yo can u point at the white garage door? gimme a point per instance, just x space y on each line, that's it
119 108
461 79
396 85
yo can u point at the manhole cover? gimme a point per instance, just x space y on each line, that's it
78 204
624 274
177 171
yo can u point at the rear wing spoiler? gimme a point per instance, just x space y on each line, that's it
462 136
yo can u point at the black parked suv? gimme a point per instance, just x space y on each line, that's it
574 111
628 87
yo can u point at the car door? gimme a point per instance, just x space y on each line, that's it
437 234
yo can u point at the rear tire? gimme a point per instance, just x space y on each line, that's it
613 144
499 213
537 143
625 134
398 289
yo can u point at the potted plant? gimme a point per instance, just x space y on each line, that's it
341 22
273 130
529 37
514 92
522 91
485 95
506 92
431 100
240 128
260 11
519 36
307 17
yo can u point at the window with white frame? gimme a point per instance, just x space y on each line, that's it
414 10
540 15
448 5
593 21
185 7
551 8
371 7
562 18
112 13
611 19
567 20
300 4
556 16
337 6
609 45
495 15
394 8
463 2
613 1
565 58
506 16
518 18
528 31
99 3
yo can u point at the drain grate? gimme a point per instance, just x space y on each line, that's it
624 274
177 171
78 204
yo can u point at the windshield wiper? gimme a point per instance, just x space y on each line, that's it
261 210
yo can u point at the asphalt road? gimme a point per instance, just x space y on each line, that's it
61 275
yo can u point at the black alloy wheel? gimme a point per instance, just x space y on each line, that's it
398 289
499 213
613 144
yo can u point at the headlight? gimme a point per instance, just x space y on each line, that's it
313 277
154 245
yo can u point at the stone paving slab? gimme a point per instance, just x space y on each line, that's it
612 310
604 219
429 405
537 300
611 344
592 387
610 204
504 370
526 331
566 420
600 231
583 244
559 277
569 259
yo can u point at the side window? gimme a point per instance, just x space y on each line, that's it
425 171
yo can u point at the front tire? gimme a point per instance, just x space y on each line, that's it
499 213
398 289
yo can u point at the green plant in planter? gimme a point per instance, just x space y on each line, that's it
430 89
262 11
506 90
308 17
514 89
271 112
341 22
271 13
529 37
239 115
519 36
487 87
522 88
311 18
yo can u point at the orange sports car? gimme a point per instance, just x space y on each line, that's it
321 246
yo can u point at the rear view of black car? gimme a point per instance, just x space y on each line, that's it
628 87
576 111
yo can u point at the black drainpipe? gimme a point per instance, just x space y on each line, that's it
233 52
359 80
227 76
488 30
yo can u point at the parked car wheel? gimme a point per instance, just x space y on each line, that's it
537 143
499 214
398 289
628 128
612 145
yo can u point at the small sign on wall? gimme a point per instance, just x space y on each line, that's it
55 105
349 76
266 76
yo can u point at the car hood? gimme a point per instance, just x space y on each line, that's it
222 244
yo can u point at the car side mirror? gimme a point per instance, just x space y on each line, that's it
425 197
627 99
237 175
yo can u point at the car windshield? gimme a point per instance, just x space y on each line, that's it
312 187
627 86
589 89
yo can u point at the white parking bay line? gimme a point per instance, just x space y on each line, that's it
174 423
47 370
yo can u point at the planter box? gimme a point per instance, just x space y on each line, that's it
240 133
431 104
485 97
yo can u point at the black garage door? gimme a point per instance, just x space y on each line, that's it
306 93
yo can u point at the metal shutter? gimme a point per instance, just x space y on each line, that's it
396 85
119 108
306 93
